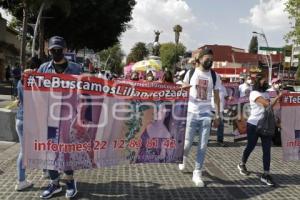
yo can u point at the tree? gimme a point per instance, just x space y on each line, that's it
24 34
293 9
138 52
253 46
92 24
169 53
177 29
111 58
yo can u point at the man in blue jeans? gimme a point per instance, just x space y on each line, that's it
59 64
220 130
202 82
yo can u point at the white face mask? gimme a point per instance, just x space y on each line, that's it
249 81
150 78
277 86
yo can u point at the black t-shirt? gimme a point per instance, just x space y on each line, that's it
60 68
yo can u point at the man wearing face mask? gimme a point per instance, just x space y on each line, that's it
245 88
202 82
60 65
276 85
150 76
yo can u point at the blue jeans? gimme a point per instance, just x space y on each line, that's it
220 131
197 123
20 167
54 175
266 143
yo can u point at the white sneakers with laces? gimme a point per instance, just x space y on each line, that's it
23 185
182 166
197 178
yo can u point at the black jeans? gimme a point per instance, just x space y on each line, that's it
54 174
266 142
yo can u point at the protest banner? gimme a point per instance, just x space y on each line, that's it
237 111
290 126
81 122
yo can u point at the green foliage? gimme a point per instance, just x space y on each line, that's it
293 9
169 54
253 46
83 23
138 52
111 59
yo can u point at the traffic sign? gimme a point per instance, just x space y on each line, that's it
271 49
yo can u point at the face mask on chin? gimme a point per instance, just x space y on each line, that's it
207 64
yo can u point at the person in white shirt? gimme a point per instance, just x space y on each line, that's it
245 88
202 82
259 100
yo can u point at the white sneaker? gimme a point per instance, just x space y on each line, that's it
197 178
182 166
23 185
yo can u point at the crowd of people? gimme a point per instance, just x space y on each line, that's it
205 110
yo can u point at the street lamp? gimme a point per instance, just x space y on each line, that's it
270 64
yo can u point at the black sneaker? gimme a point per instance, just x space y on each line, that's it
267 179
71 189
221 144
50 191
243 170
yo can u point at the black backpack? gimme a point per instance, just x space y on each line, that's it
213 75
266 125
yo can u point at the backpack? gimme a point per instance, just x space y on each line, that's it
267 124
212 72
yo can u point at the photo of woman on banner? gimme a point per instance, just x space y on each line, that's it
155 133
81 131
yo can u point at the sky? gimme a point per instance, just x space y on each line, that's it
223 22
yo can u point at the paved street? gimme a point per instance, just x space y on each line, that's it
164 181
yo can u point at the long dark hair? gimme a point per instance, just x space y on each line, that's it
168 77
257 85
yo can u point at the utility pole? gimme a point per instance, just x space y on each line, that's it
269 63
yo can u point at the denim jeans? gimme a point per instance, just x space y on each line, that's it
197 123
20 167
220 131
54 175
266 143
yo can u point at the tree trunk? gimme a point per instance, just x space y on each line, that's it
41 42
24 34
37 23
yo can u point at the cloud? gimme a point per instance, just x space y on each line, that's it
162 15
268 15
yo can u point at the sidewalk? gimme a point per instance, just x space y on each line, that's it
164 181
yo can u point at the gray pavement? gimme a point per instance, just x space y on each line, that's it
164 181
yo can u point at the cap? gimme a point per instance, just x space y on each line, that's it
275 80
57 42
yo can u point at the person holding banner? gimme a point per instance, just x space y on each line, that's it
259 100
59 64
202 82
22 182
